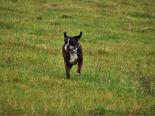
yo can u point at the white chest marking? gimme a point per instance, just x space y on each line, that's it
73 57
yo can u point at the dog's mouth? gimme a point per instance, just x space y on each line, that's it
73 50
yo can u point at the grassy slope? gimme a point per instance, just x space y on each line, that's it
118 75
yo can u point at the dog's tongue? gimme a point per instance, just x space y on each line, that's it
73 50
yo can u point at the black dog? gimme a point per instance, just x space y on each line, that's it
72 53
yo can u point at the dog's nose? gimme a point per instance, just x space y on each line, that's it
71 47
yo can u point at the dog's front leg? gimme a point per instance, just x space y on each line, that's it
68 73
68 68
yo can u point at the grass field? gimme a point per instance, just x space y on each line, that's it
118 75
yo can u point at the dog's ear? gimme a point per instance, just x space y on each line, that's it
65 37
79 36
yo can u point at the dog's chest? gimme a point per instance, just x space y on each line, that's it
73 57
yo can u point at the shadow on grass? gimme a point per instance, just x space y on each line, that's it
100 110
113 38
141 15
11 10
6 26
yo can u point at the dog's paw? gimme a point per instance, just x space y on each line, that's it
78 74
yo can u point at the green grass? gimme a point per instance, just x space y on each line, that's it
118 41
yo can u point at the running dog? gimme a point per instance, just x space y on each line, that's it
72 53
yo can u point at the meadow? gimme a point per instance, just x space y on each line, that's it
118 74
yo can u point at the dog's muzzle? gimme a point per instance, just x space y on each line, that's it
73 49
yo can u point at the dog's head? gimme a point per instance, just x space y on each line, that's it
72 42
